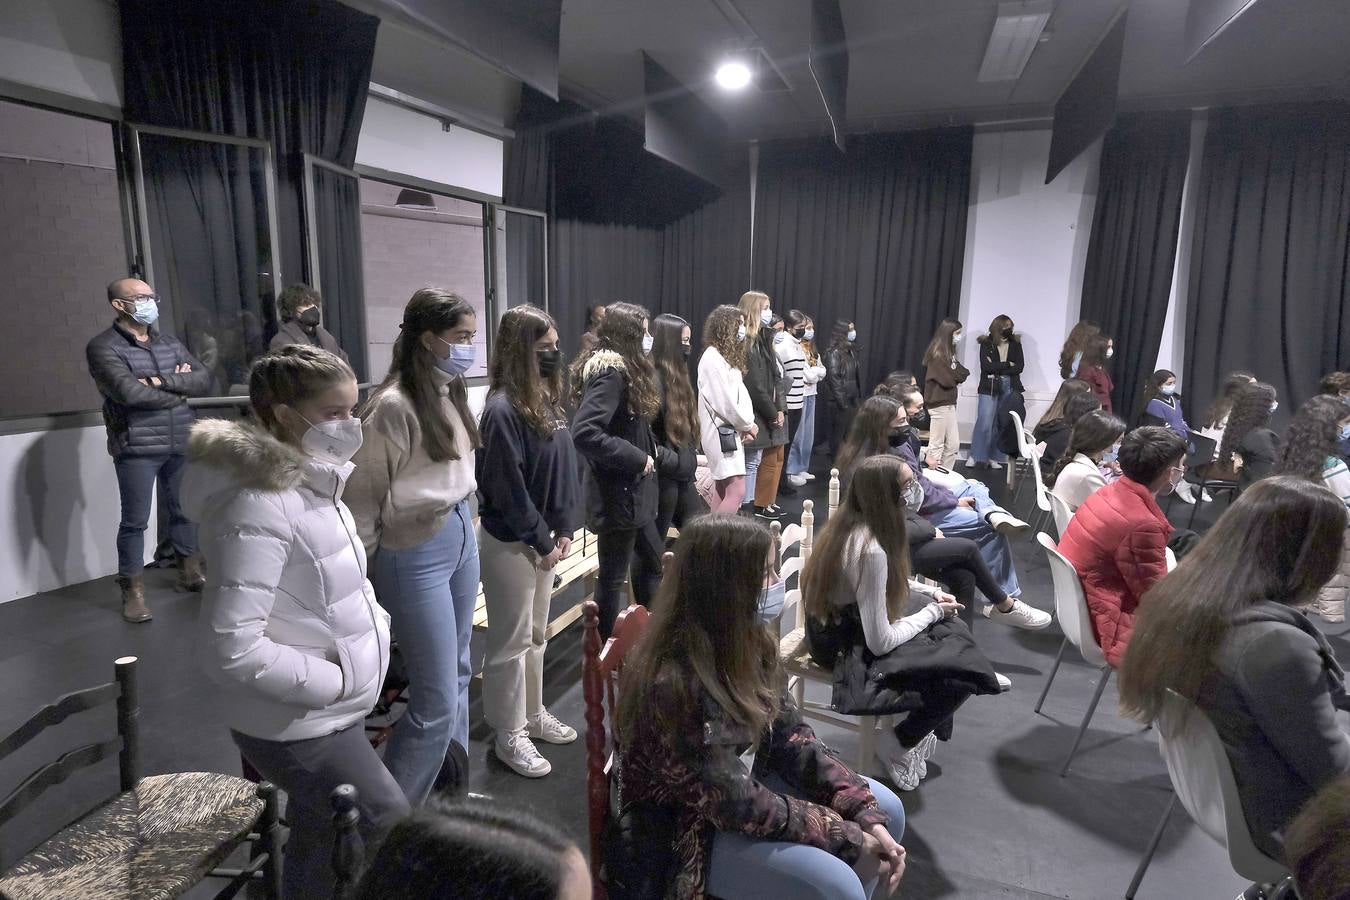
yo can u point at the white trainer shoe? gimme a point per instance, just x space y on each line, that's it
901 765
994 465
796 480
1020 616
1004 682
925 749
808 476
518 752
546 727
1008 525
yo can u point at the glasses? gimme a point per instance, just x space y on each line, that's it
139 297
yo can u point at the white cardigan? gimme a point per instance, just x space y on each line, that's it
1079 480
722 400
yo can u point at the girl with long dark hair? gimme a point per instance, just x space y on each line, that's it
1092 368
856 590
1074 400
1071 354
1249 437
943 374
1224 631
1161 405
843 380
529 506
1216 417
1310 452
410 496
803 331
768 388
1001 365
617 397
787 346
725 417
702 687
676 422
1079 472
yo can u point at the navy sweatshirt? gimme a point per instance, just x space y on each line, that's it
527 482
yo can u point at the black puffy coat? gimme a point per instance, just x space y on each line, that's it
615 444
843 381
142 420
768 386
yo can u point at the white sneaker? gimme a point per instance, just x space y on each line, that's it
808 476
925 750
994 465
546 727
518 752
1185 492
796 480
901 765
1004 682
1020 616
1008 525
1205 497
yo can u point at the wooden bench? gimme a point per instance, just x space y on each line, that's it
582 562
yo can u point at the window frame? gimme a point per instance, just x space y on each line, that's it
502 209
312 264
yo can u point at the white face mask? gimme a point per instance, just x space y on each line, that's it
1110 352
956 337
335 441
1168 389
1274 406
852 335
740 333
765 316
647 343
809 334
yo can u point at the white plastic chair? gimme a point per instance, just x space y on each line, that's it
1061 512
1072 611
1042 495
1025 451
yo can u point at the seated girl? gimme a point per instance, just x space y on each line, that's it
1080 473
856 588
702 690
1162 406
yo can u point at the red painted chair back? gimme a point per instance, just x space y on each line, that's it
599 676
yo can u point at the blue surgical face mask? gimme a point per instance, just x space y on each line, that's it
459 361
1344 433
1168 390
1111 455
146 311
852 335
809 334
647 343
740 333
771 602
765 316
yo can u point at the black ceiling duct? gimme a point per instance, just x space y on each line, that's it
827 56
1087 107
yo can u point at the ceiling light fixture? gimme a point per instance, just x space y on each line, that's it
1018 28
733 75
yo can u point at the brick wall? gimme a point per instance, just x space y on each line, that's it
61 243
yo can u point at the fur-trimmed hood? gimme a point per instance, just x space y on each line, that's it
602 361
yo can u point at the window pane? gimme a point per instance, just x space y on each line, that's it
61 242
336 228
524 264
211 250
428 240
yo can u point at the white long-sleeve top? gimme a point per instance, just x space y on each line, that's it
811 376
722 400
865 562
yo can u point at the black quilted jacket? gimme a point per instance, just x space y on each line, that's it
141 420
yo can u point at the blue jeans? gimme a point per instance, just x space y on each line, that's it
430 591
984 441
799 454
752 459
963 522
748 868
136 477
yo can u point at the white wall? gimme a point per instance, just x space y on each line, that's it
400 140
72 47
1026 248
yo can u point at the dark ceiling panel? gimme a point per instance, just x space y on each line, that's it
679 127
1088 105
1206 18
828 56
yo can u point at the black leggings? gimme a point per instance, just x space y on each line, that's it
623 550
676 503
841 418
956 562
939 705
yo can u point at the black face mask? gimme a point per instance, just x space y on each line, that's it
309 318
898 436
1007 334
685 349
550 361
919 419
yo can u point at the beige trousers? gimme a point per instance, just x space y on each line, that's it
517 594
944 435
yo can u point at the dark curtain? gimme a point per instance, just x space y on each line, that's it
1132 250
1270 261
876 236
523 263
337 226
705 258
293 72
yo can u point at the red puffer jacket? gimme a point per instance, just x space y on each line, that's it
1117 542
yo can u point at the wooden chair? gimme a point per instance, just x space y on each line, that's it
834 492
600 669
156 836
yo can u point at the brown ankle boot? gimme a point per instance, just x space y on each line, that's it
133 599
190 576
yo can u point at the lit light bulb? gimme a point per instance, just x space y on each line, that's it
733 75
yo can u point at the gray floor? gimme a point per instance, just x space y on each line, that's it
993 819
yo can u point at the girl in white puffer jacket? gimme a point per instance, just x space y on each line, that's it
291 629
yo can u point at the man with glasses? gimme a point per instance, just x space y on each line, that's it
145 378
1117 540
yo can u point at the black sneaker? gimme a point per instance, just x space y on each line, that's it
768 512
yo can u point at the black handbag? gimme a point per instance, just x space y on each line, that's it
727 438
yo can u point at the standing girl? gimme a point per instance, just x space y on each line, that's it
768 389
804 431
1071 354
293 633
1092 368
1162 406
676 423
788 347
942 374
616 391
410 496
528 508
726 420
1001 365
843 381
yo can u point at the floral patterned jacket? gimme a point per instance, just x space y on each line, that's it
698 773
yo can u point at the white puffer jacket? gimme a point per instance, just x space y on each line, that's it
290 626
